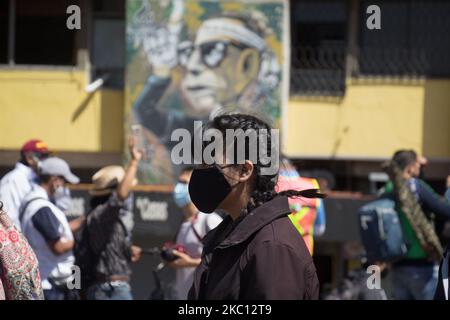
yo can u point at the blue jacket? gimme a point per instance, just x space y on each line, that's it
442 290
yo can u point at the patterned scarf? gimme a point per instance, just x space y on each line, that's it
19 272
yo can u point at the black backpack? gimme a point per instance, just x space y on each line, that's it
85 258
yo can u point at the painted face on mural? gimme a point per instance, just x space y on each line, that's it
194 59
220 64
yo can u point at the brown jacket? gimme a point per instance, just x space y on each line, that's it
264 257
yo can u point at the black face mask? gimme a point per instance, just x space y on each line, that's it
208 188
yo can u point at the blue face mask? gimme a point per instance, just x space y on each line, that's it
181 194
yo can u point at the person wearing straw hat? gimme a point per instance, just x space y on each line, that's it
109 227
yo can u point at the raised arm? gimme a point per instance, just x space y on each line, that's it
433 201
124 187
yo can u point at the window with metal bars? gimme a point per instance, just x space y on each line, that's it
35 33
413 41
318 47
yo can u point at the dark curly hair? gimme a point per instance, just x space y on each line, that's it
264 184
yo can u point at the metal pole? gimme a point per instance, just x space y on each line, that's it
11 31
352 66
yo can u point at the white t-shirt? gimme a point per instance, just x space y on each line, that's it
50 265
14 186
186 236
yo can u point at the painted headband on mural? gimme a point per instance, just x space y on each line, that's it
239 33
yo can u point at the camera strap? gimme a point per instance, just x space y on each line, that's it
174 240
197 235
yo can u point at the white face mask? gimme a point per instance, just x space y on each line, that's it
38 163
62 198
59 192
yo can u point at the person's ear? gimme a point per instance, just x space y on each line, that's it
29 158
247 68
246 171
410 169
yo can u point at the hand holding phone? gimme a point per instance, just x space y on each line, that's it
136 143
136 130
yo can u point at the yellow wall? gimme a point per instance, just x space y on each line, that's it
372 121
52 105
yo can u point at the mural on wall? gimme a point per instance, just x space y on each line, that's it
190 60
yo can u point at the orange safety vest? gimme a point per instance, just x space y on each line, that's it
304 210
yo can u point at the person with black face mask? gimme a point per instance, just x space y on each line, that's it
256 252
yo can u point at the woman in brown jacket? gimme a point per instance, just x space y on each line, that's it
256 252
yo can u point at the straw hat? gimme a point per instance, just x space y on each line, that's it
107 179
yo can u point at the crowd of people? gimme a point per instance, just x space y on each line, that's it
244 234
420 271
99 243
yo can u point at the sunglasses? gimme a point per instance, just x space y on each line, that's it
211 53
40 156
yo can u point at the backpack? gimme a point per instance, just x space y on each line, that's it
381 231
85 258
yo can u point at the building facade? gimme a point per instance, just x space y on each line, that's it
356 94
